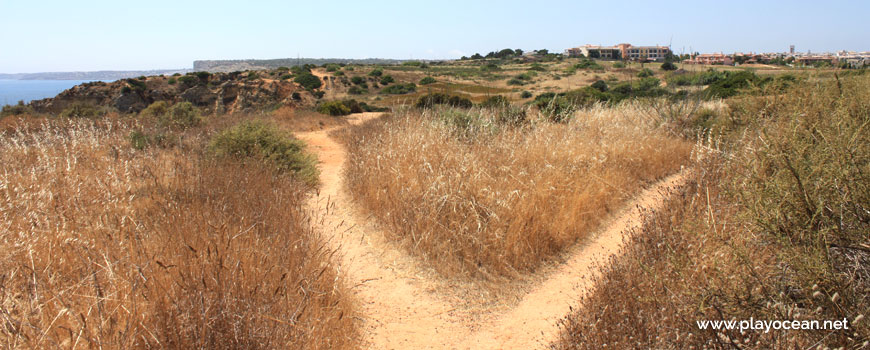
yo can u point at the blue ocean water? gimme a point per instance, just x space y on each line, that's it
12 91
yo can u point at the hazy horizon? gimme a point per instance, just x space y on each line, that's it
52 36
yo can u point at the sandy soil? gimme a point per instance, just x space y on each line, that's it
404 307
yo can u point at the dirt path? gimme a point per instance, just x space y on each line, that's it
401 305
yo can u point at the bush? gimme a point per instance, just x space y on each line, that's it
135 84
258 140
387 79
599 85
332 67
81 110
376 72
427 81
358 80
587 64
333 108
253 76
187 81
181 116
515 81
526 94
618 65
319 94
308 81
558 109
430 100
203 76
139 140
645 73
356 90
668 66
537 67
171 81
490 67
732 84
282 69
155 110
19 109
495 101
400 89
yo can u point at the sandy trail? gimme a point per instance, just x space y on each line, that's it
402 307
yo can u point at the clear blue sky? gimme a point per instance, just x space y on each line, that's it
86 35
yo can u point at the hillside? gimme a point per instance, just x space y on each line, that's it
212 93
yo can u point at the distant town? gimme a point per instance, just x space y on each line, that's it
793 58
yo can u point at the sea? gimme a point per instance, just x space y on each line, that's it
12 91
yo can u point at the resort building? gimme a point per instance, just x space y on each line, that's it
711 58
621 51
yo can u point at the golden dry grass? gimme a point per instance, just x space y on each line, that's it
105 247
774 226
477 198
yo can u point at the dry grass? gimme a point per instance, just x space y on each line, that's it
105 247
474 197
773 227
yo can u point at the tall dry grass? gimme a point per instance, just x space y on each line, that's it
475 196
774 226
105 247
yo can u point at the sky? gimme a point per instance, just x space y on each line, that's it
89 35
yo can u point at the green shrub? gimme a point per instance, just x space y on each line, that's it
433 99
155 110
599 85
618 65
645 73
356 90
282 69
333 108
427 81
515 81
338 74
668 66
253 76
490 67
495 101
258 140
285 76
81 110
139 140
332 67
399 89
187 81
387 79
19 109
181 116
732 84
319 94
307 80
358 80
526 94
587 64
537 67
376 72
171 81
557 108
135 84
203 76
